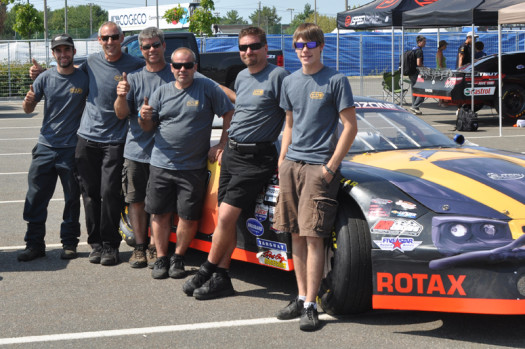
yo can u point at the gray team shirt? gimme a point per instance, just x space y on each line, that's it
185 117
99 122
258 117
316 101
65 97
142 84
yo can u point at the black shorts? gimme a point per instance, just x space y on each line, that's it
135 176
181 192
244 175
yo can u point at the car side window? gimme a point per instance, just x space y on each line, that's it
134 49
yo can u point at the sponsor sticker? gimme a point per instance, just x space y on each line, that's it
261 212
423 284
397 243
404 214
406 205
274 258
479 91
273 245
271 213
272 192
254 226
505 176
379 207
397 226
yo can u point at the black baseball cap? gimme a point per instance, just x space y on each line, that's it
62 39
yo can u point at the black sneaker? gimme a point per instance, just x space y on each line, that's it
177 267
309 319
96 253
69 252
196 281
109 256
219 285
138 257
151 255
29 254
292 310
160 268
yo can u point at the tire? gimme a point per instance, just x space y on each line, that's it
347 287
513 101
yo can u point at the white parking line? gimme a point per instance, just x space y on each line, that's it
48 246
147 330
17 127
14 154
18 139
22 201
12 173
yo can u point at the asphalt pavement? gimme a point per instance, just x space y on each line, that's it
74 304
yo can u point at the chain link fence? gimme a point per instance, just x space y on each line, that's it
362 56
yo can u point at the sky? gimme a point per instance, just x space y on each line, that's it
244 7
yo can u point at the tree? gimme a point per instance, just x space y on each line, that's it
77 19
300 18
201 20
326 23
27 21
232 17
265 18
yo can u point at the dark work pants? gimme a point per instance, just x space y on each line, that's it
99 167
47 165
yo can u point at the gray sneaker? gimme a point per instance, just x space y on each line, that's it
96 253
177 267
69 252
160 268
109 256
293 310
309 319
415 111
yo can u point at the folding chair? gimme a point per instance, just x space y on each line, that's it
387 87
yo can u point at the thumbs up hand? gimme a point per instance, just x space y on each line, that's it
30 95
146 111
123 86
35 69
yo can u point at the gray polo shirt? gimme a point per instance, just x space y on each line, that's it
316 101
64 100
185 117
258 117
99 122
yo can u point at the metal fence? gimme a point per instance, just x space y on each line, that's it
363 56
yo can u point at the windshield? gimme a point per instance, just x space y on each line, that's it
382 129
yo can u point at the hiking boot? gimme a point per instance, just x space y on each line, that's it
160 268
415 111
196 281
29 254
96 253
151 255
138 257
309 319
177 267
69 252
219 285
109 256
293 310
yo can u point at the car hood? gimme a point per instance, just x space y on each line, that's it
455 180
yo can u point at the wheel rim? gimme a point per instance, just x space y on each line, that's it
513 103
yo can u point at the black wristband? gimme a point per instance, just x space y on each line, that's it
328 170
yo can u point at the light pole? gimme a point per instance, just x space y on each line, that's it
291 14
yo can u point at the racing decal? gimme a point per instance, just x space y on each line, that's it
271 213
397 243
397 226
254 226
376 105
272 192
453 81
274 258
403 214
274 245
406 205
480 91
362 20
261 212
505 176
486 83
424 2
379 207
348 183
387 3
421 284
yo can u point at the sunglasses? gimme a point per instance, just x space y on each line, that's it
253 47
309 44
113 37
188 65
154 45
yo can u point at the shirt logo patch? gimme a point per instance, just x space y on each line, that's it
316 95
192 103
258 92
117 77
76 90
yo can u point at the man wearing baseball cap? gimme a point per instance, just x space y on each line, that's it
465 51
64 89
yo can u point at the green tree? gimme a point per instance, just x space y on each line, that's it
78 20
232 17
266 18
326 23
300 18
27 21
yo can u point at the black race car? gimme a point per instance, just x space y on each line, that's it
455 85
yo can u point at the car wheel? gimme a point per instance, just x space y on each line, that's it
513 101
347 286
125 229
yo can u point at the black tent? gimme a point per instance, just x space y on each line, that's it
452 13
378 13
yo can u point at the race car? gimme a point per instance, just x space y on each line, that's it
455 87
424 223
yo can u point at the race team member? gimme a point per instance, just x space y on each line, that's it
315 98
131 91
64 90
465 51
101 137
183 113
248 161
417 101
